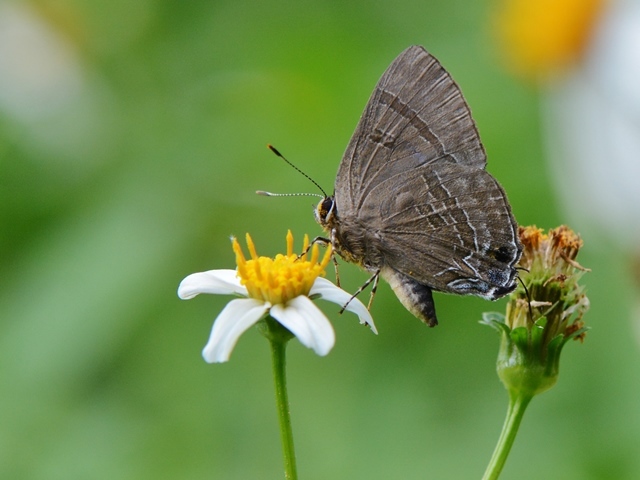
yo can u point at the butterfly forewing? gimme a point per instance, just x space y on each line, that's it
415 116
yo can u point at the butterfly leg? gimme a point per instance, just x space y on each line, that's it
324 242
319 240
374 279
335 265
332 241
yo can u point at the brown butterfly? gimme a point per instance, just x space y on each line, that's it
413 203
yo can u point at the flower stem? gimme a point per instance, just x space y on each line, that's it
518 403
278 351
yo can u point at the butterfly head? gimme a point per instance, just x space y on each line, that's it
325 213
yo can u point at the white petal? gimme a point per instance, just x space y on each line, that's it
329 291
307 322
233 321
220 282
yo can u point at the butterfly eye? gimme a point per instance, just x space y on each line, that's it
325 209
328 205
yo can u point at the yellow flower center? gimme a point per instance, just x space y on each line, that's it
280 279
540 36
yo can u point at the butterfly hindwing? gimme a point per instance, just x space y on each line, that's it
447 226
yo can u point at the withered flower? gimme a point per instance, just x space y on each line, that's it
538 324
543 314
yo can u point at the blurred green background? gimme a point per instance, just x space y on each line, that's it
132 139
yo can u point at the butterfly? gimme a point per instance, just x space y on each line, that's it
413 203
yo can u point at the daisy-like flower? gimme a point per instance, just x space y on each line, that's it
282 287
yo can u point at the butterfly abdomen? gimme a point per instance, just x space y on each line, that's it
416 297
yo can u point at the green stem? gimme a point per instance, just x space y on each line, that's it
517 405
278 350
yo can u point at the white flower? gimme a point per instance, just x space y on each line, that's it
281 287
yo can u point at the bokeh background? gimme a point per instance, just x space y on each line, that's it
132 140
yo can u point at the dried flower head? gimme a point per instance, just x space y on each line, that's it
544 312
551 274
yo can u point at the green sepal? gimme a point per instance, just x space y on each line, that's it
495 320
274 331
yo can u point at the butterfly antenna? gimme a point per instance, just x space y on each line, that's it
274 150
271 194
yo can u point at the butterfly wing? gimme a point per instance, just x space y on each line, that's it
412 195
449 227
415 116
